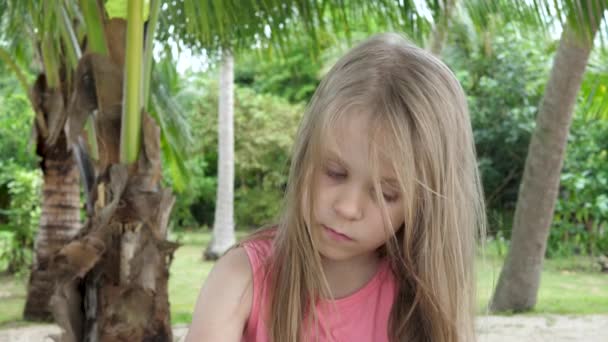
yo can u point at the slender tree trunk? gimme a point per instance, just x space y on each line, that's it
519 280
223 225
59 223
440 30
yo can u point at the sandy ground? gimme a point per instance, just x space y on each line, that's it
549 328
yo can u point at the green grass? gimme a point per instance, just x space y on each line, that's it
188 272
12 297
568 286
187 275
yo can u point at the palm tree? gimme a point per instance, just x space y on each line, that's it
59 222
223 226
60 216
116 268
520 276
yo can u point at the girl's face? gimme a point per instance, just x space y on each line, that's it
347 216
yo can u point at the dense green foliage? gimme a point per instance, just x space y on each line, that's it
264 130
20 217
16 117
294 77
580 224
20 181
504 82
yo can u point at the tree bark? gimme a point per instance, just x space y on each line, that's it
112 278
519 279
223 225
59 223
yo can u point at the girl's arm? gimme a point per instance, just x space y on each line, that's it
224 302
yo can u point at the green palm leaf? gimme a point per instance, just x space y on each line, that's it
176 138
595 88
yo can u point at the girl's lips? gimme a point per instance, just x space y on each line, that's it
336 235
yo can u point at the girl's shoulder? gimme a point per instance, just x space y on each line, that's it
225 300
259 249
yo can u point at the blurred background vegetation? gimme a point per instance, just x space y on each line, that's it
503 77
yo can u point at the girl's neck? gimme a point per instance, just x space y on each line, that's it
345 277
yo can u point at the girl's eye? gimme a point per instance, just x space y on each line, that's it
390 198
335 174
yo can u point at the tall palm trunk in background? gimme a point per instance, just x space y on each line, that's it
439 34
223 225
519 280
59 222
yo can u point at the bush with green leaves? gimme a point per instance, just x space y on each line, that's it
504 83
292 74
264 130
20 180
580 224
21 217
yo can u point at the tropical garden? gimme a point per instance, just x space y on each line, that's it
139 140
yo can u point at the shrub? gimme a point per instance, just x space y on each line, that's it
21 218
265 126
504 85
580 224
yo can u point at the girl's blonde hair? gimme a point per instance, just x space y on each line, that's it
419 110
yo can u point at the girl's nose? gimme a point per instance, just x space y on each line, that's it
349 204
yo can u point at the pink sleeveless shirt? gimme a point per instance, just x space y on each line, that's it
361 316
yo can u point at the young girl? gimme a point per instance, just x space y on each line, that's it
376 240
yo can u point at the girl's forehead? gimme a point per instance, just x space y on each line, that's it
358 136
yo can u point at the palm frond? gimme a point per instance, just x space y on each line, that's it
578 14
16 33
130 132
214 25
93 17
148 51
484 13
5 57
176 138
594 88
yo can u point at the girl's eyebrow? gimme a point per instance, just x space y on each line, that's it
391 182
333 156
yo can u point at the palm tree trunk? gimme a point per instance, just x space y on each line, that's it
59 223
112 278
519 280
223 226
440 30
